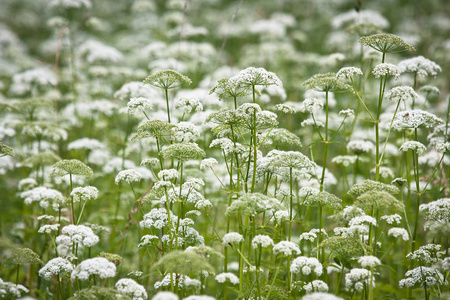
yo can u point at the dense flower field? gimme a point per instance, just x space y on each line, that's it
210 149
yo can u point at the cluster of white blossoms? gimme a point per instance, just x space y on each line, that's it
360 146
256 76
420 65
24 82
222 277
42 195
414 119
48 228
55 266
321 296
262 241
182 280
362 220
284 108
86 143
391 219
95 51
312 105
157 218
11 289
78 234
348 113
168 174
306 265
208 163
189 104
422 276
147 240
385 69
438 210
135 89
129 176
348 73
99 266
131 288
358 278
312 234
165 296
426 254
227 146
70 3
414 146
84 193
286 248
138 104
399 232
369 261
232 237
403 93
317 286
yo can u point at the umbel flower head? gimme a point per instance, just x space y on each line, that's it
253 204
72 167
153 128
230 88
56 266
167 79
386 43
183 151
379 200
369 185
419 65
131 288
327 82
22 256
256 76
99 266
183 262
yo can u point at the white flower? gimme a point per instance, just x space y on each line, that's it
391 219
138 104
417 147
85 143
42 195
385 69
131 288
48 228
348 73
157 218
168 174
56 266
8 288
208 163
312 234
84 193
99 266
165 296
95 51
420 65
262 240
222 277
147 240
312 105
286 248
321 296
316 286
189 104
128 176
403 93
369 261
78 234
438 210
399 232
348 113
443 147
359 146
232 237
256 76
287 109
306 265
361 220
423 276
357 278
414 119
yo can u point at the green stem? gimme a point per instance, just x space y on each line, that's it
167 104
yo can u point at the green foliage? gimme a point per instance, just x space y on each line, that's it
21 256
99 293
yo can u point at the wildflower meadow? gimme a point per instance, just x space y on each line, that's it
212 149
